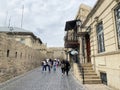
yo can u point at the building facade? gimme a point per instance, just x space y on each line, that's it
73 45
99 41
16 55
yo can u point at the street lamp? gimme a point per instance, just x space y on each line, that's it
78 23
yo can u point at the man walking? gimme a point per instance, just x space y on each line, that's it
67 67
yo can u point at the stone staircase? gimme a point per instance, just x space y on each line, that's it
90 77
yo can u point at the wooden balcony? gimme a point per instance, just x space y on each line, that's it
83 33
71 44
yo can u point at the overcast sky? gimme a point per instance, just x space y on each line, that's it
45 18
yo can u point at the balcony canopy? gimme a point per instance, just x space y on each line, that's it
70 25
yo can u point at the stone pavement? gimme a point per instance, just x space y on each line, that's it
97 87
38 80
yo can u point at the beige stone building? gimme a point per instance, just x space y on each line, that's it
104 21
99 40
24 37
20 51
83 12
72 41
21 35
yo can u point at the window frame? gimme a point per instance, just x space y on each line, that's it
103 76
100 37
22 40
117 23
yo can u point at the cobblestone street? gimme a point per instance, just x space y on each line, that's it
38 80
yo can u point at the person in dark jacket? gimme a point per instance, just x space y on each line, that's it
67 67
63 67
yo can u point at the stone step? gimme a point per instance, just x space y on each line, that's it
86 65
89 71
92 81
90 74
91 77
87 75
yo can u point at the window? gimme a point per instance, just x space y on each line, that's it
21 55
117 17
8 51
103 78
83 47
100 37
22 40
15 54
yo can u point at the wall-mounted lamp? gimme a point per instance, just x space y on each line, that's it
78 23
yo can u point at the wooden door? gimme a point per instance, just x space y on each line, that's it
87 37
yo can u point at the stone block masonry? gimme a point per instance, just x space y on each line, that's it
16 58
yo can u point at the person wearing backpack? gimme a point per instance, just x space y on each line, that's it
63 67
67 67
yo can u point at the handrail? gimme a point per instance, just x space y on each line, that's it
82 71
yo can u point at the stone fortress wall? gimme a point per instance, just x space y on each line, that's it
16 58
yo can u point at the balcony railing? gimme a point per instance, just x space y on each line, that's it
71 42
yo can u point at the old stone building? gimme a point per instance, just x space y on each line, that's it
83 12
56 52
20 51
104 41
72 41
99 39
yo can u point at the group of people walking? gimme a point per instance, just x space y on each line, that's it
49 64
53 64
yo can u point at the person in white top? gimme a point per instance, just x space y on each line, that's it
44 65
48 64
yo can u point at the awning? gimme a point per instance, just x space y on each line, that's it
70 25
